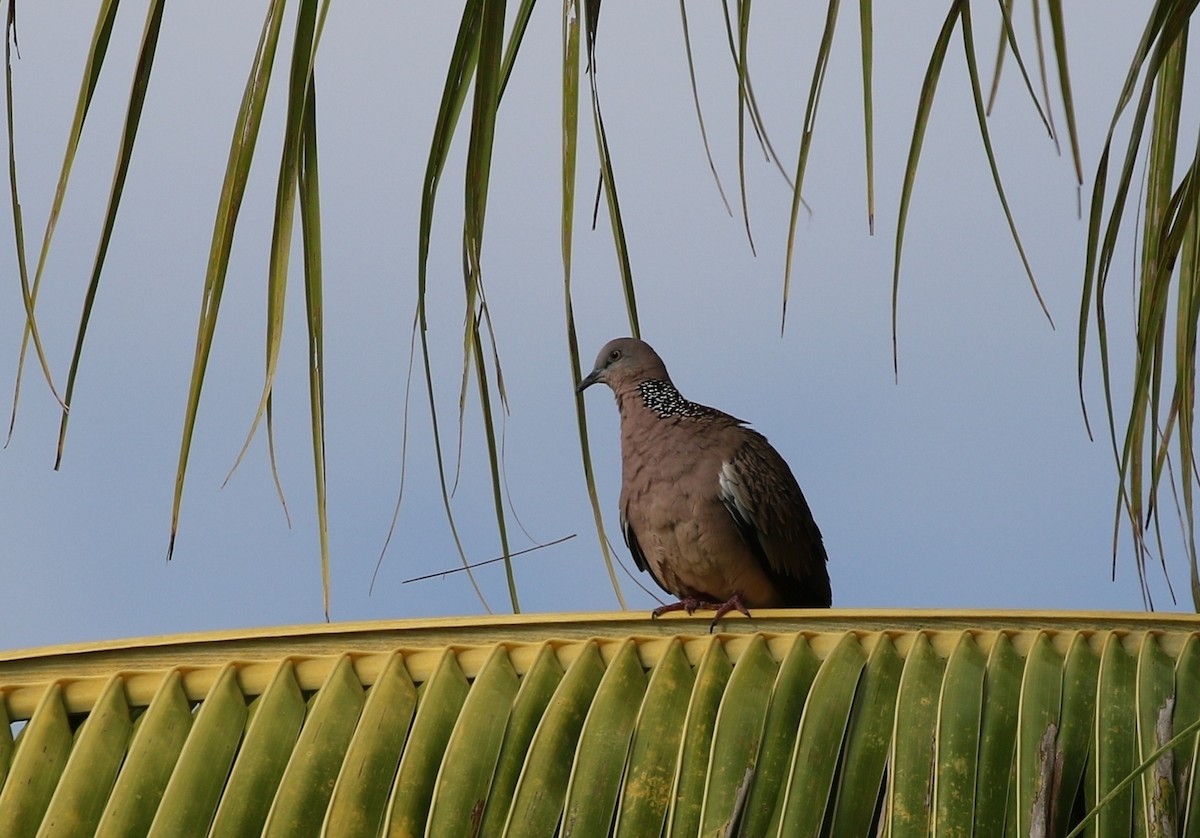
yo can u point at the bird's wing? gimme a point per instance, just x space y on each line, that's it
635 549
770 512
631 541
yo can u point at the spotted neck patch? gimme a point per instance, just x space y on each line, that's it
663 400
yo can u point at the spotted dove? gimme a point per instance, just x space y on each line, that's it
708 507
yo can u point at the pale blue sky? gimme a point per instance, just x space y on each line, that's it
969 484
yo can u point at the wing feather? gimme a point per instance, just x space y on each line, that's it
631 541
772 516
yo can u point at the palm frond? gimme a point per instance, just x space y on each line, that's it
791 723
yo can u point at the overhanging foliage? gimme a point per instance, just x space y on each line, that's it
1152 439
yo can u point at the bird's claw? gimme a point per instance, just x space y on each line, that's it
691 605
688 604
734 603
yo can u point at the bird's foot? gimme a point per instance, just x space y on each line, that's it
691 605
734 603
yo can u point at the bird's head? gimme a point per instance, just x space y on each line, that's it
625 363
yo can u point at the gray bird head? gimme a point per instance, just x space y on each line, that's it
624 363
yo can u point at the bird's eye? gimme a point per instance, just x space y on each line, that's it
615 355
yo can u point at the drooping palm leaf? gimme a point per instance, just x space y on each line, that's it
570 146
924 104
137 98
1170 206
687 48
608 180
314 306
309 21
1152 441
806 135
241 155
462 66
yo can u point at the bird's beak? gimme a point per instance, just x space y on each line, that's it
589 380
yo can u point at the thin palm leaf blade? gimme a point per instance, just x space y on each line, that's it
41 754
538 800
531 703
137 97
274 720
1160 171
494 466
359 798
1006 7
309 20
1114 743
1009 37
920 123
646 792
796 673
1148 56
482 136
860 783
985 134
570 147
956 759
745 102
608 180
1058 28
474 746
1155 795
516 37
97 51
687 793
463 61
10 33
1187 712
1145 445
866 30
304 791
88 776
1080 671
1037 734
196 784
910 779
998 737
810 119
1040 46
733 755
314 306
687 49
237 172
461 69
604 745
439 702
157 741
1186 328
488 80
819 740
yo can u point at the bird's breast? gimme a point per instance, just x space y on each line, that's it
670 498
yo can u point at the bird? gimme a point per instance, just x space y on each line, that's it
708 507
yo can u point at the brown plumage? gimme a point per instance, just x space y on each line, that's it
708 507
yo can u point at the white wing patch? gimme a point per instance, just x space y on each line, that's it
733 495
